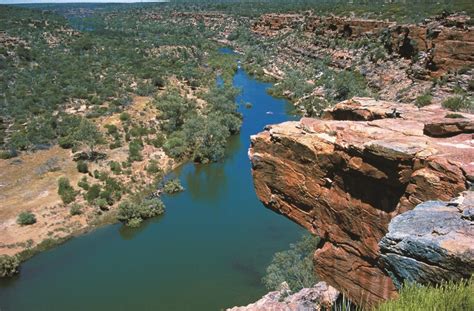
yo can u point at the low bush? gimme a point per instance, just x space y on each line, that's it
102 204
423 100
66 191
75 209
173 186
135 148
124 117
447 296
26 218
133 213
115 167
7 154
93 193
153 168
83 183
454 116
82 167
9 266
455 103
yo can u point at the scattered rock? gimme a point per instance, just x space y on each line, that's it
319 297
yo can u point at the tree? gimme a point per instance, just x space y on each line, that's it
294 266
133 213
8 265
174 109
87 133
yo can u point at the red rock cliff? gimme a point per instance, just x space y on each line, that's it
448 39
345 180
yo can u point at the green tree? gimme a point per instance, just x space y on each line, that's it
88 134
9 266
294 266
133 213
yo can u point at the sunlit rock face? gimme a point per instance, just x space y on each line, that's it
345 180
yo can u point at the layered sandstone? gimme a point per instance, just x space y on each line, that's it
447 42
345 180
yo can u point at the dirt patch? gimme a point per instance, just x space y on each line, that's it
30 183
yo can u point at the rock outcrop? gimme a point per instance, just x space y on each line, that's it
345 180
431 243
319 297
447 41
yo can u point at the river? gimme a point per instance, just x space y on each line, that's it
207 252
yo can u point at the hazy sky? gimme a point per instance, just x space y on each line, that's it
72 1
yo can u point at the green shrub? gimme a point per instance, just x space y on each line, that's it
9 266
158 141
294 266
82 167
134 222
135 148
455 103
133 213
83 183
447 296
173 186
124 117
75 209
7 154
93 193
454 116
115 167
102 204
153 168
26 218
66 142
66 191
423 100
111 129
175 146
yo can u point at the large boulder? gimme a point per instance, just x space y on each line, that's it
345 180
431 243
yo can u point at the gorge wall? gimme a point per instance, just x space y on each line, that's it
448 40
346 176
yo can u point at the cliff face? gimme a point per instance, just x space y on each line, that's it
345 180
448 41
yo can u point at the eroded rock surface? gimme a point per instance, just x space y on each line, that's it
448 40
319 297
345 180
431 243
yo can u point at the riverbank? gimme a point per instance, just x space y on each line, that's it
41 170
214 237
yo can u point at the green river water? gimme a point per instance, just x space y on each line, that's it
207 252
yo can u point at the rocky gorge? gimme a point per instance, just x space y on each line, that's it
360 179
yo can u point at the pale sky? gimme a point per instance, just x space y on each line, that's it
74 1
